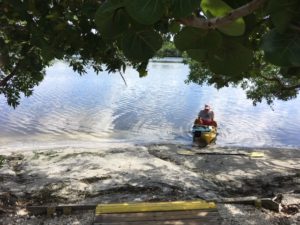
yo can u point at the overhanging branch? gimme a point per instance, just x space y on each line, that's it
17 66
225 20
4 81
281 84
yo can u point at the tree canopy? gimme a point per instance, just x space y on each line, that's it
252 43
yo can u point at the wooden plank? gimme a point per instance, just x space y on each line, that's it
266 203
50 211
153 206
239 200
270 204
250 154
61 209
157 216
215 221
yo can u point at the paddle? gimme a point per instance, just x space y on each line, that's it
251 154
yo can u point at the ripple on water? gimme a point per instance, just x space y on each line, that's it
157 108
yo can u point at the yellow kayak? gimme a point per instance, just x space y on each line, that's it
204 134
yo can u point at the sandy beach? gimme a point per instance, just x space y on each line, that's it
149 173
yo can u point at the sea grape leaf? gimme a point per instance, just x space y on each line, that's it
231 59
174 27
145 11
141 45
282 49
218 8
114 25
236 3
197 54
282 12
108 7
182 8
194 38
111 19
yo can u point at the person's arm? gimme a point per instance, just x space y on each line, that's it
212 115
200 115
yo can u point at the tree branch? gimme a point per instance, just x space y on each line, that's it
123 78
225 20
4 81
296 86
282 85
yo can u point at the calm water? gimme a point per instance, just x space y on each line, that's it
67 109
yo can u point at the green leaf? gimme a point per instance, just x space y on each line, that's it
182 8
236 3
193 38
197 54
231 59
145 11
111 19
141 45
174 27
197 42
109 7
282 12
48 53
142 69
218 8
60 26
282 49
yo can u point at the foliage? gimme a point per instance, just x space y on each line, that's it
264 82
33 33
168 49
217 8
252 43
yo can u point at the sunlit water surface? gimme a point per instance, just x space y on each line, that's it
67 109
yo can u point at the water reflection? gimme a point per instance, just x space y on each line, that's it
157 108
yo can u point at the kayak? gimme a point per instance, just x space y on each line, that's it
203 134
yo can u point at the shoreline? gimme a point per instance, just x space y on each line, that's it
154 172
21 147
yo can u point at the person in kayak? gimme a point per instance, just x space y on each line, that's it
206 117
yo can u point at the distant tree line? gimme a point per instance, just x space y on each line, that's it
168 49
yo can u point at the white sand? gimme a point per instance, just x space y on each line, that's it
152 173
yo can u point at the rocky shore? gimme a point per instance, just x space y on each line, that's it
149 173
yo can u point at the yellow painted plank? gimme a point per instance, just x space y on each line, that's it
256 154
153 206
214 221
207 214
